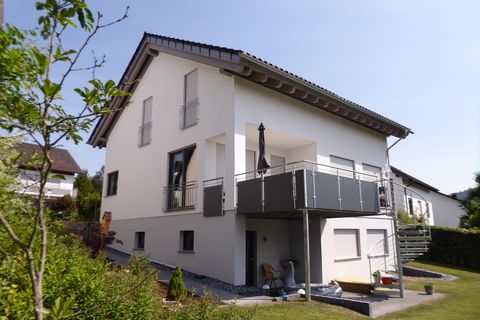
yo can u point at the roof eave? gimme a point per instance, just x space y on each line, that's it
319 97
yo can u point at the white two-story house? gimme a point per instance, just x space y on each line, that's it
64 169
181 154
415 197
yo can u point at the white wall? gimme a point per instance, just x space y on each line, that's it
330 134
227 106
273 239
143 171
356 267
447 210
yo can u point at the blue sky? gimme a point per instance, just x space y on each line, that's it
416 62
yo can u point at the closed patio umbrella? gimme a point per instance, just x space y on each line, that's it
262 165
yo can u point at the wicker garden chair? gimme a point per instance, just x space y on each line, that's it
271 275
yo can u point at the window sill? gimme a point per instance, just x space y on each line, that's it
144 145
347 259
138 249
110 195
180 209
186 251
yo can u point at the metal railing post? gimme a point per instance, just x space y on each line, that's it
294 187
339 191
263 190
397 245
314 196
306 248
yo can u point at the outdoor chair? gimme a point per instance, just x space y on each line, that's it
271 275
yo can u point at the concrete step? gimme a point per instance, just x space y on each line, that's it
410 238
412 250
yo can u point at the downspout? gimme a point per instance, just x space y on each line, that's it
395 222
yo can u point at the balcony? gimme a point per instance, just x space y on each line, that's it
213 197
180 196
325 190
145 134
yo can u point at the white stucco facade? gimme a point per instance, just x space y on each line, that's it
229 111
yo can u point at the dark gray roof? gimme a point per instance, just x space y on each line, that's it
250 67
405 175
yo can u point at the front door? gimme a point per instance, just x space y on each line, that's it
250 257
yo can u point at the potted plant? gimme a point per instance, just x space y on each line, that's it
377 276
428 287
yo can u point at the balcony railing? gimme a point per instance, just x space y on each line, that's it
311 185
189 114
145 134
180 196
213 197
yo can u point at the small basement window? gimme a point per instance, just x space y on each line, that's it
186 240
140 240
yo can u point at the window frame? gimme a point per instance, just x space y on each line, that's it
110 191
182 244
346 173
358 245
386 249
143 140
137 240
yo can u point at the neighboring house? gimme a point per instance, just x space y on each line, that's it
180 171
64 168
420 198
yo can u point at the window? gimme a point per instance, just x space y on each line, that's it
181 189
112 183
145 130
186 240
371 170
188 111
346 243
377 242
344 167
140 240
277 164
410 206
250 163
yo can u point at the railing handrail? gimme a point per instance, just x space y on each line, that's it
369 256
186 184
214 179
309 162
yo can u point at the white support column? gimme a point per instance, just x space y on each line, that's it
306 248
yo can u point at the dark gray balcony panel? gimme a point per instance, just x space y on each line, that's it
370 197
300 188
279 193
249 195
350 194
213 201
326 189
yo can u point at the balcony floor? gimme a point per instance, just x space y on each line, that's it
298 214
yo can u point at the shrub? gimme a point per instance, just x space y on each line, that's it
454 246
176 286
95 289
208 309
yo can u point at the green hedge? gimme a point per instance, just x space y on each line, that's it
455 246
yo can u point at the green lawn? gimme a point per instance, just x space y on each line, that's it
462 301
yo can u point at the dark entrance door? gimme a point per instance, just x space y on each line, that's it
250 257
